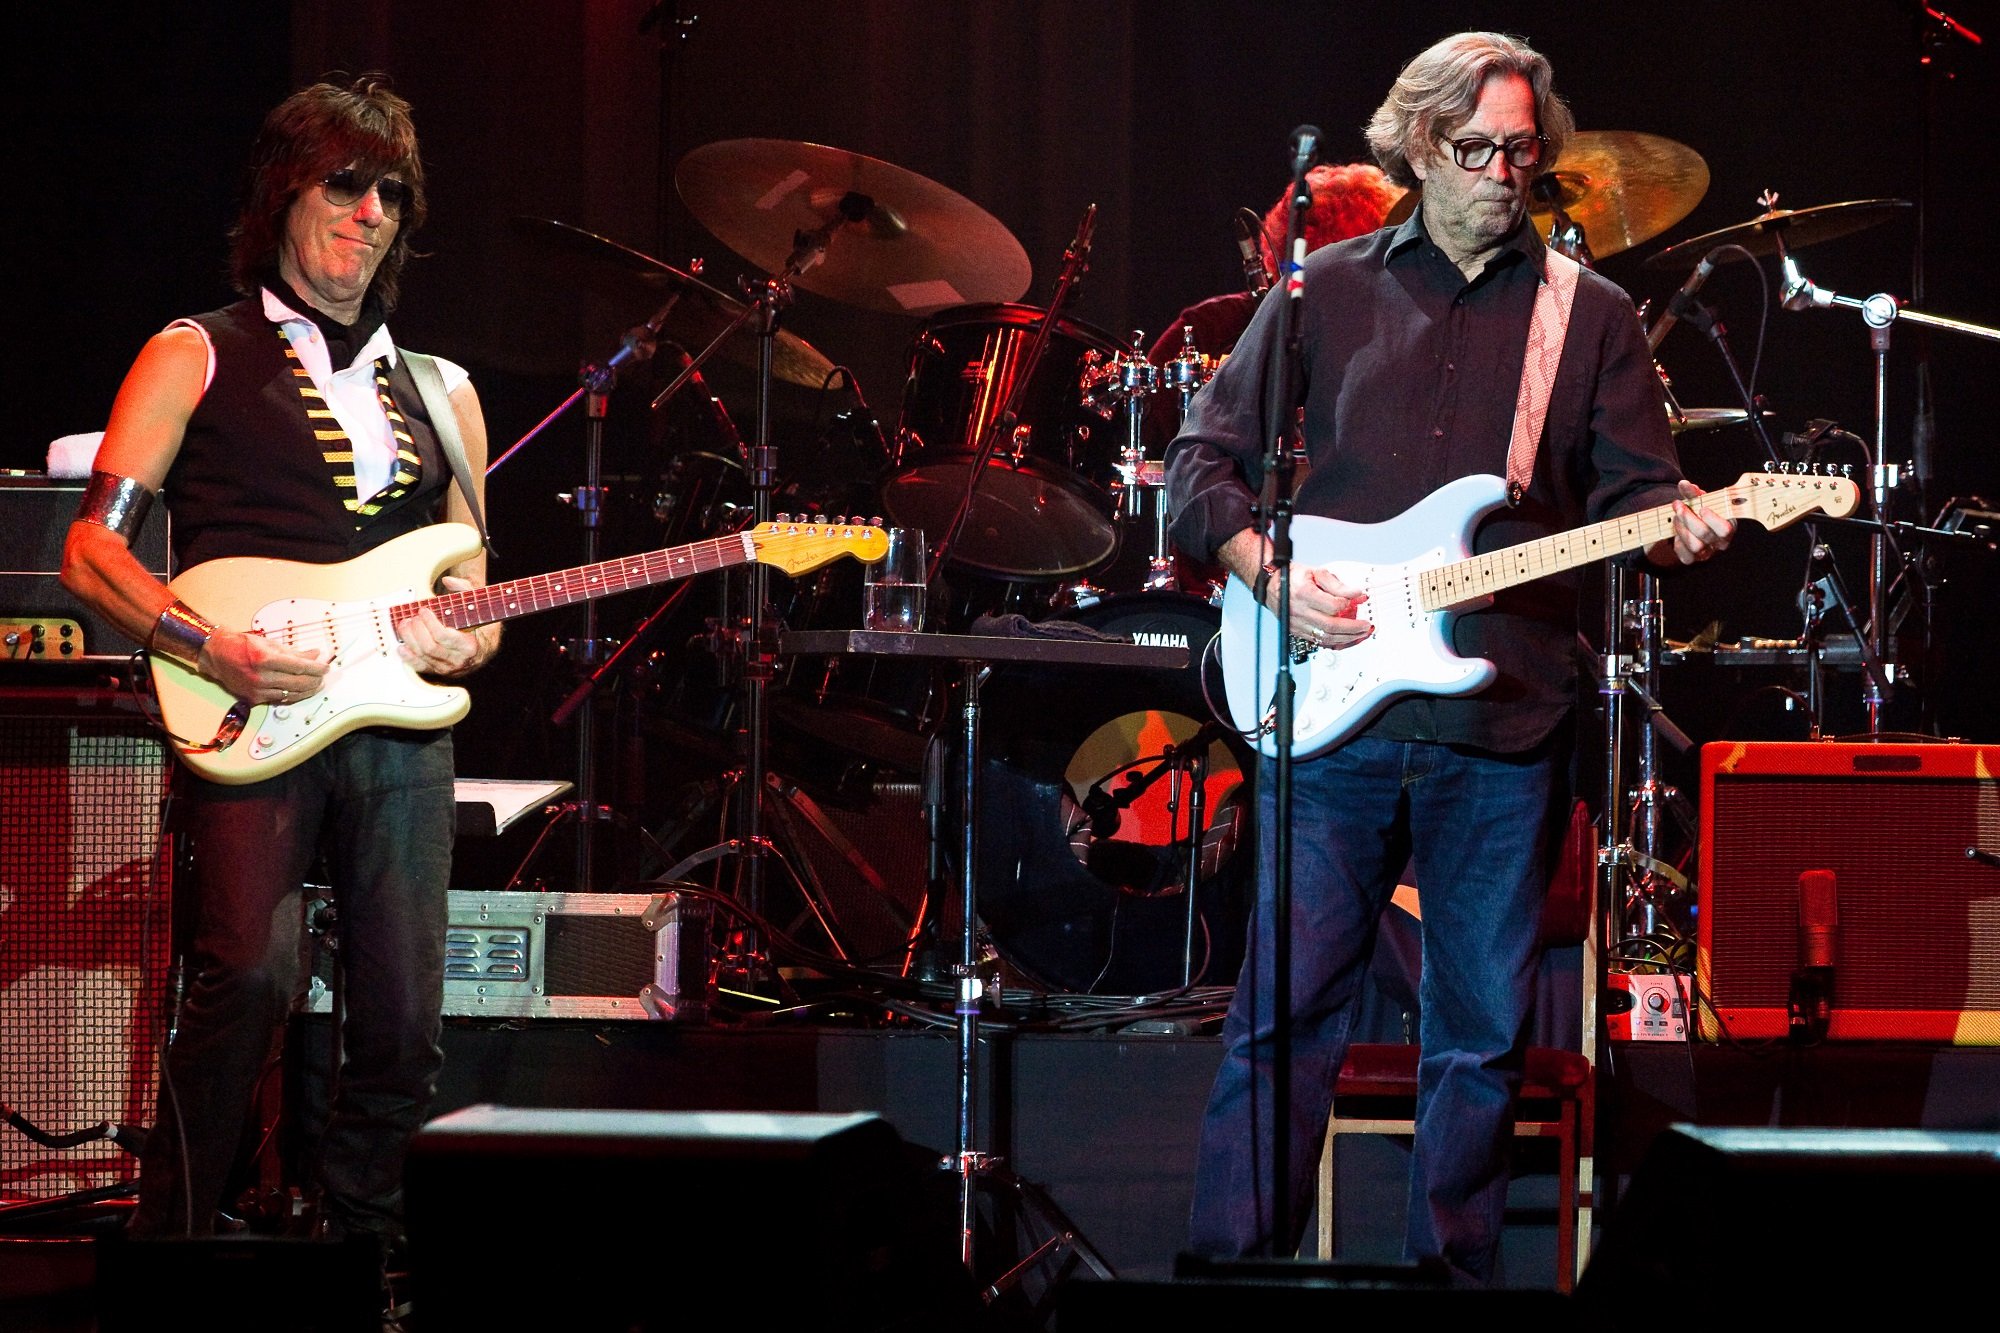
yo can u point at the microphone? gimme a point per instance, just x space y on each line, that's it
1811 1002
1256 278
1685 294
724 426
1305 147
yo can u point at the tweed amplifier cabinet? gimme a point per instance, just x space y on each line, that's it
39 621
567 955
1908 938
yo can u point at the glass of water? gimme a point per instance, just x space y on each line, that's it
893 596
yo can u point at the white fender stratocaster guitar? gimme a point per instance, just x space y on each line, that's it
350 611
1418 573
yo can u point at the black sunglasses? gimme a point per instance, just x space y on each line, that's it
347 186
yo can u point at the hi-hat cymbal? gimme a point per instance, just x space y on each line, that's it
895 241
1797 227
1619 186
699 315
1701 418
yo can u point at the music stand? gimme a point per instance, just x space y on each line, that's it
976 655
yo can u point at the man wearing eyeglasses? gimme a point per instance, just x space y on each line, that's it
1413 362
290 425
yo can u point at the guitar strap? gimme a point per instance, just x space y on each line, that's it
1547 328
444 423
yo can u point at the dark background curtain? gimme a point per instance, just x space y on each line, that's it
1167 116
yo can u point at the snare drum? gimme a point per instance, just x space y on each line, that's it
1043 507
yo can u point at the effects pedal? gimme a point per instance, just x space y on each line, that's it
1646 1006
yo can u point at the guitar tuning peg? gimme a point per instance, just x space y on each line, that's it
875 522
781 518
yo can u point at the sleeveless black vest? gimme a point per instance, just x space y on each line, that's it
250 479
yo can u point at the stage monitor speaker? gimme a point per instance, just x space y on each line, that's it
39 621
1745 1223
650 1220
1914 914
85 900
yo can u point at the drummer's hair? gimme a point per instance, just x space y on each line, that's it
1438 91
317 130
1348 199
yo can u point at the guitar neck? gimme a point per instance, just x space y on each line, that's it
1483 575
545 592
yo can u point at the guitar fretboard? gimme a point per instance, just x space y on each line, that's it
1772 500
544 592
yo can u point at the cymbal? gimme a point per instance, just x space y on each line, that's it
1797 227
1701 418
895 241
1619 186
699 315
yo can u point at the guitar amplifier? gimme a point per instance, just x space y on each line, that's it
39 621
1916 922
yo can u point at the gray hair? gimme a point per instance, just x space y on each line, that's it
1438 91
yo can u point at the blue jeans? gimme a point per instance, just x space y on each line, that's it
1480 828
380 804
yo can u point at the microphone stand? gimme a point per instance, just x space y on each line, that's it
1879 312
1280 416
1004 421
594 383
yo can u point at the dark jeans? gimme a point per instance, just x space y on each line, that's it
380 804
1479 828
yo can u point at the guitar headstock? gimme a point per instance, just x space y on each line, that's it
1776 499
798 546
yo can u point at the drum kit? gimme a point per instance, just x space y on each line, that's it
1018 440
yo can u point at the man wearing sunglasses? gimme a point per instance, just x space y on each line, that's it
1413 368
289 425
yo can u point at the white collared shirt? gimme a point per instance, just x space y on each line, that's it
349 392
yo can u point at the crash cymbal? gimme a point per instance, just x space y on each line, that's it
1620 187
895 241
1797 227
701 313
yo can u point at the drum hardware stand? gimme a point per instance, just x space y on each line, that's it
587 653
1879 312
1127 379
749 960
1075 260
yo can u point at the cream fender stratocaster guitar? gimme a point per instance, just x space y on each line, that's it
349 611
1418 573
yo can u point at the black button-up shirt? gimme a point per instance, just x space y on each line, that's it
1409 379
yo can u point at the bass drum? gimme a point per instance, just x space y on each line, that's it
1043 508
1083 822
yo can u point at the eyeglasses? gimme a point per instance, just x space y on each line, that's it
347 186
1475 153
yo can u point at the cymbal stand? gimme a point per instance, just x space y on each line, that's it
757 643
1879 312
594 384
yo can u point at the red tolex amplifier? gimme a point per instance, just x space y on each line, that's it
1850 891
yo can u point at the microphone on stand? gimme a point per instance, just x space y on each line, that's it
1810 1007
718 414
1256 277
1305 147
1681 297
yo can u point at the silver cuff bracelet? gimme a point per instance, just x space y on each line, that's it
115 502
180 634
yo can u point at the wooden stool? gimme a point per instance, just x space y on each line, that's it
1385 1075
